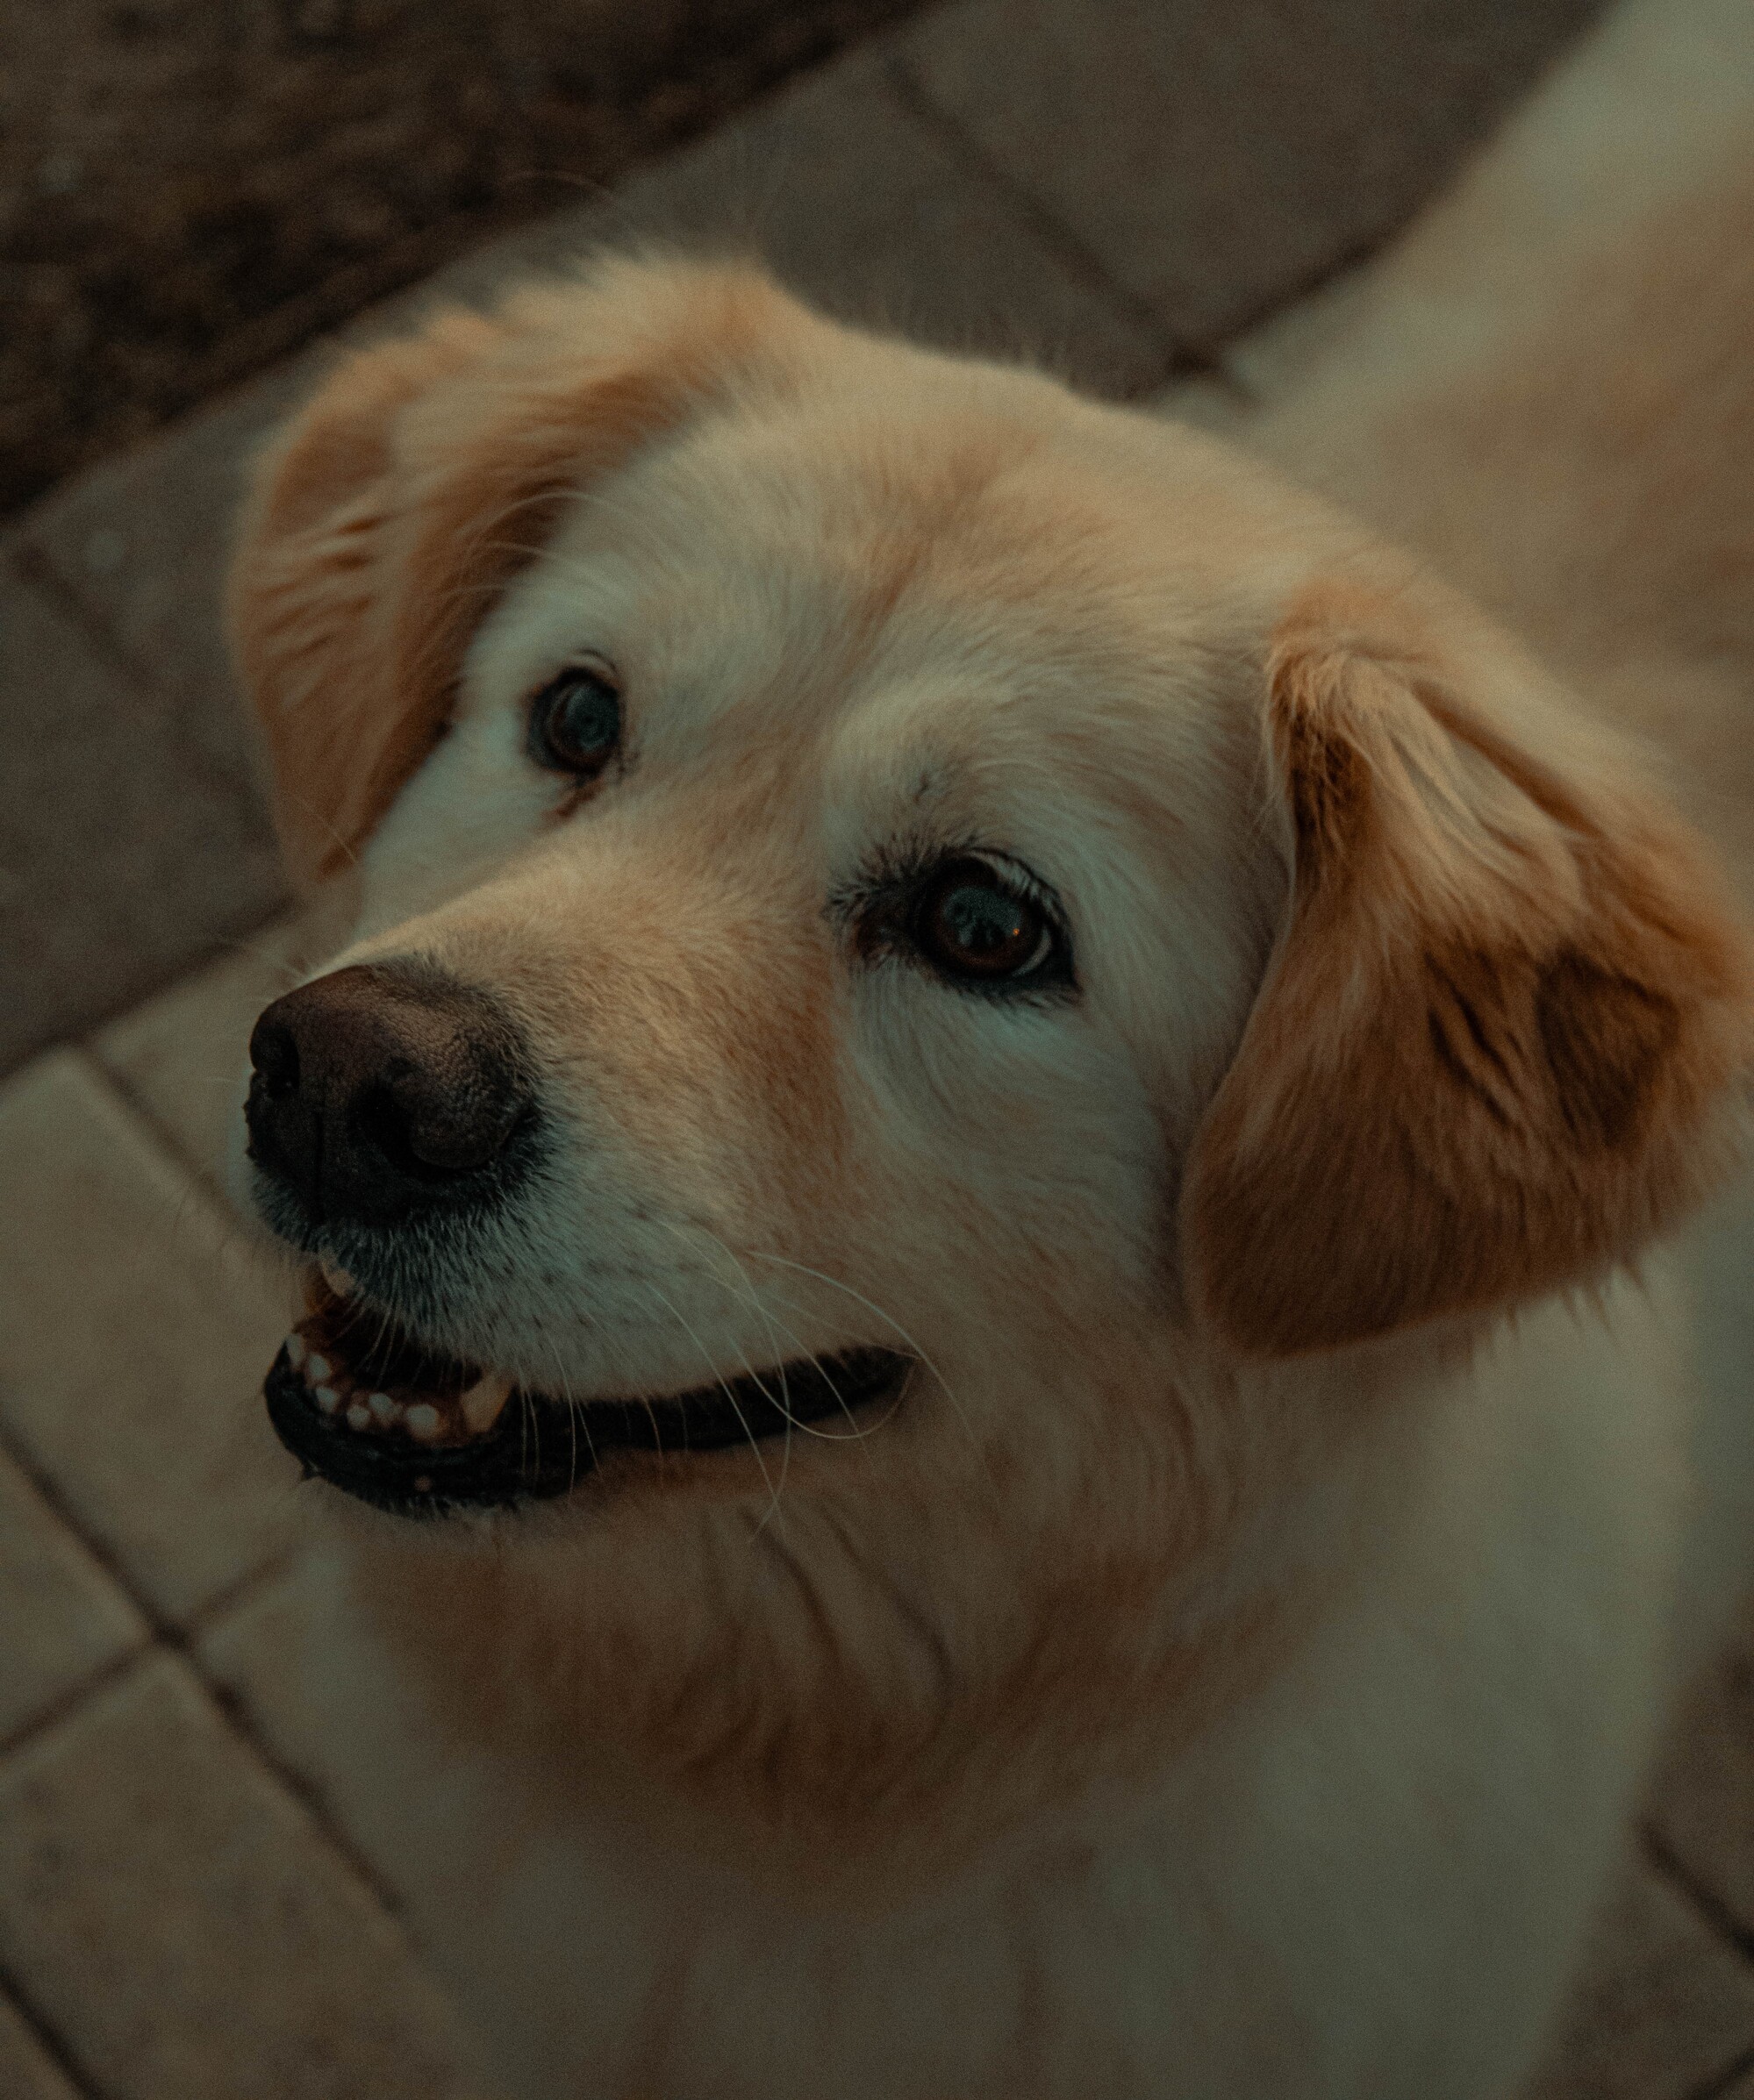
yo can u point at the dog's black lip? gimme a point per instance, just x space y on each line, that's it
538 1448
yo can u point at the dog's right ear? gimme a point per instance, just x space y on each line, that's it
393 510
1502 1041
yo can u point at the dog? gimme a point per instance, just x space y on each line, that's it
985 1198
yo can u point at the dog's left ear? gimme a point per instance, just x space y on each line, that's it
1498 1039
398 503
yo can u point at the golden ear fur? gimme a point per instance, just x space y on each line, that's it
1496 1044
398 503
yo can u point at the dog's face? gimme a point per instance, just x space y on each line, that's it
917 938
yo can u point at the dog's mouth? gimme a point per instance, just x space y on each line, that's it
371 1409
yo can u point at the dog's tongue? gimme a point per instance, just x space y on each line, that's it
361 1368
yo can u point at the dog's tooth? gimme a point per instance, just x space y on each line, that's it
384 1407
316 1371
422 1420
296 1350
481 1403
359 1417
338 1280
327 1397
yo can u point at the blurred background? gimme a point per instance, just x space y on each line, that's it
201 200
189 189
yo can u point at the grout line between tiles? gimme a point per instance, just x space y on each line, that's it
233 1711
47 2037
165 1140
68 1703
238 1591
237 1241
229 947
1214 350
1190 356
33 566
39 568
1182 360
187 967
139 1105
155 1626
181 1640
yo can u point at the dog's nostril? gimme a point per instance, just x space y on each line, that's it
274 1055
381 1122
382 1088
454 1145
430 1134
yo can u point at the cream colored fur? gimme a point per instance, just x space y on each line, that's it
1546 389
1194 1690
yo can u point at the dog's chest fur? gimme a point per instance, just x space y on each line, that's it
1426 1793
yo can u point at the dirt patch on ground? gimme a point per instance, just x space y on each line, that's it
190 188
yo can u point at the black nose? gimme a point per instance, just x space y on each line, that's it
386 1088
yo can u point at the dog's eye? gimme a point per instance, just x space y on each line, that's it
973 925
575 721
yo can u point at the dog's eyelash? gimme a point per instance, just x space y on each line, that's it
893 871
872 910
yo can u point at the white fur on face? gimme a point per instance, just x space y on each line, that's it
766 1144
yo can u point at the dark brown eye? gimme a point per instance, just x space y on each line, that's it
971 925
576 721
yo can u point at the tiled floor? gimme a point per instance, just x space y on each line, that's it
194 1901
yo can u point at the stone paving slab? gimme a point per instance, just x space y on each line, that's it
172 1914
134 1330
125 852
877 216
1220 161
181 1055
27 2072
267 1654
139 543
63 1618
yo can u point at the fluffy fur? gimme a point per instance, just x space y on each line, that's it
1227 1671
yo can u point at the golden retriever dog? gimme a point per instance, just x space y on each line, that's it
986 1193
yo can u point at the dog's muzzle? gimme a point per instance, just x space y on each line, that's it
392 1110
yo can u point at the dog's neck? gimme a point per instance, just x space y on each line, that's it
804 1717
592 1921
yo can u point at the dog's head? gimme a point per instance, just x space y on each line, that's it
919 939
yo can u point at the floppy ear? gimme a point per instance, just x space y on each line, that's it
1498 1040
398 503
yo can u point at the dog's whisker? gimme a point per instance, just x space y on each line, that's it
308 808
855 1431
288 973
529 1451
784 1402
725 1386
736 1406
645 1400
804 1268
575 1412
